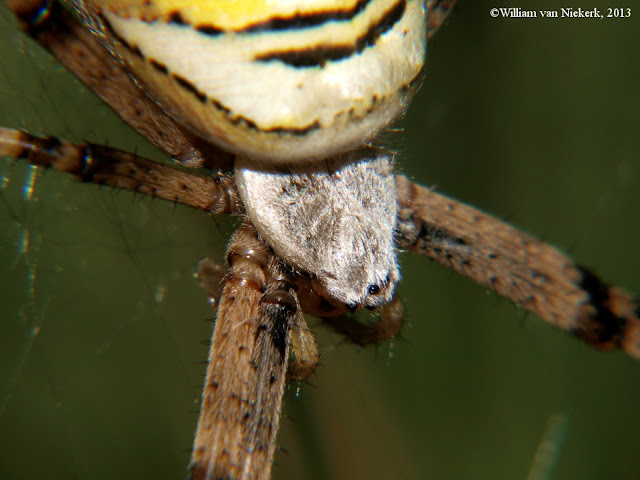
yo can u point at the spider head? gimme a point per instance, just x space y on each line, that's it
335 221
368 286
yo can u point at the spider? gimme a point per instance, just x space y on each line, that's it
426 317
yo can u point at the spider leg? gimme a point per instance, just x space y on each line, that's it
247 364
210 275
437 13
109 166
533 274
386 328
305 350
78 50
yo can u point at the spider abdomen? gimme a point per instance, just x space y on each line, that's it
280 81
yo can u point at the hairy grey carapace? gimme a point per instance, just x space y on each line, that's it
333 219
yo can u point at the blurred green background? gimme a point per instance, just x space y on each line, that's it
535 120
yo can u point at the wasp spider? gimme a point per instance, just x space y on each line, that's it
430 410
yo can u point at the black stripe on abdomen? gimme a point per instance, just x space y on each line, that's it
318 56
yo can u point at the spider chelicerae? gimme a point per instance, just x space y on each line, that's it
468 334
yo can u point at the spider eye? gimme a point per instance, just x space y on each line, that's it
351 307
373 289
